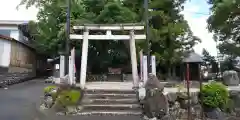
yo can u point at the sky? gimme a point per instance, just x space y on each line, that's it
196 13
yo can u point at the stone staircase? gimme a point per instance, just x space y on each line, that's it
110 102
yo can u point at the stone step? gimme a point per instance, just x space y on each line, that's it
111 107
113 101
128 77
110 96
112 112
112 91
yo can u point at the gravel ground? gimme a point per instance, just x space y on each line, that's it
19 102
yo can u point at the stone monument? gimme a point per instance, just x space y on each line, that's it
155 103
230 78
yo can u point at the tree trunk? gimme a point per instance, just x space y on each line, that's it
174 71
169 72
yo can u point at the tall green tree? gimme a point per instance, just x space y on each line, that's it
224 23
170 34
210 61
207 57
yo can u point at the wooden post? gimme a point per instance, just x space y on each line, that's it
200 82
188 93
133 59
62 66
84 59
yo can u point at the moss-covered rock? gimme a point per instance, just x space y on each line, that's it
62 97
69 97
49 88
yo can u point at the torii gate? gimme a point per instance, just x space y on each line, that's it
132 36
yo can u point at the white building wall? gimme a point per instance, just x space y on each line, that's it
5 52
14 33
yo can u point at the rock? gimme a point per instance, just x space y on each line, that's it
174 111
57 80
141 93
64 82
235 97
48 101
172 97
71 109
230 78
196 111
80 108
182 95
237 111
214 114
155 103
153 83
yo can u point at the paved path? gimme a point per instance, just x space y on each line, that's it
18 102
129 85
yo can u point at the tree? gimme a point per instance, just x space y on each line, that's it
210 60
207 57
229 64
170 34
49 32
224 23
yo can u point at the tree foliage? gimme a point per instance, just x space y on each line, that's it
229 64
170 34
210 61
207 57
224 23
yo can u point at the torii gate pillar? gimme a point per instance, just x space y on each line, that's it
108 36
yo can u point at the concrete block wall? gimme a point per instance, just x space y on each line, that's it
13 75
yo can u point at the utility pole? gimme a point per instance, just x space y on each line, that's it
67 36
147 34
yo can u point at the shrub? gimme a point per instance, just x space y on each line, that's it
215 95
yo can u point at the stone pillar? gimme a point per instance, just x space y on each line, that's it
73 66
145 69
133 59
84 59
153 61
62 66
70 70
141 64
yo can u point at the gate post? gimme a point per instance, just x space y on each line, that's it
145 69
84 59
62 66
153 61
70 70
133 59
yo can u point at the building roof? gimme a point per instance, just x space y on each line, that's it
13 22
193 58
14 40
